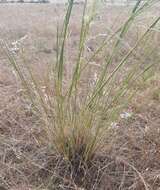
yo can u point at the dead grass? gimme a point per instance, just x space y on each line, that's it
130 159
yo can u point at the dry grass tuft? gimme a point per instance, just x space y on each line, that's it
128 156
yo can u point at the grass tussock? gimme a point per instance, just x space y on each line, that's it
77 105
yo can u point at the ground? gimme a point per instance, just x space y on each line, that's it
130 157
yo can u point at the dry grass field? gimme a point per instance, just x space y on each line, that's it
130 156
